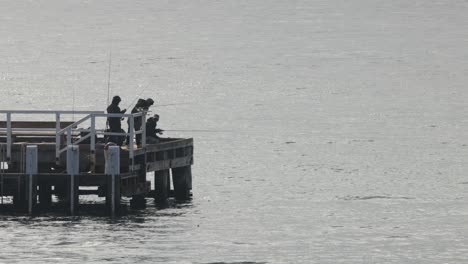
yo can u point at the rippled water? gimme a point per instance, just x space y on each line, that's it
338 128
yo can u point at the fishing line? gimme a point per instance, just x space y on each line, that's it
138 95
109 77
73 105
108 83
172 104
198 130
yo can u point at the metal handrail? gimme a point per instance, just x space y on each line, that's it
33 129
93 132
68 131
74 124
48 112
57 113
97 115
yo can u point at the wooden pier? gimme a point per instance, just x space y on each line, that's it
40 159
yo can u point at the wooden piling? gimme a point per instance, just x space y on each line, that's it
19 197
113 179
31 172
45 195
60 190
161 185
182 181
138 201
73 166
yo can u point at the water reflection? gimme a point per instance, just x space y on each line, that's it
97 210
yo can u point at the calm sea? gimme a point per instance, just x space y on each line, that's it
335 131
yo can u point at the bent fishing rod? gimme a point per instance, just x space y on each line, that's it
109 77
198 130
138 95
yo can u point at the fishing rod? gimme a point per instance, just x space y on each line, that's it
149 111
108 83
141 92
172 104
109 77
197 130
73 107
138 95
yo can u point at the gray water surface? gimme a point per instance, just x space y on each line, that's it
338 129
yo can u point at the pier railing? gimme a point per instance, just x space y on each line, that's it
9 129
92 132
72 129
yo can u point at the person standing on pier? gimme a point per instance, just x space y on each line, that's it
141 106
115 124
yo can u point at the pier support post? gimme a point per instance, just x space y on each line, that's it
93 144
9 137
45 195
161 186
138 202
60 190
113 179
31 174
19 198
73 168
182 180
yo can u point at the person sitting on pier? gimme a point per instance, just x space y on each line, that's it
115 124
141 106
152 131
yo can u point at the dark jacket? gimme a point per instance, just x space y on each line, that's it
140 106
114 122
151 130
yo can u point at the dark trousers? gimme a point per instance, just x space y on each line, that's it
116 139
137 137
